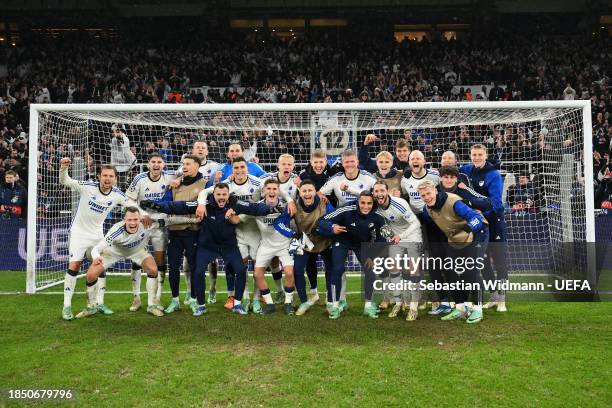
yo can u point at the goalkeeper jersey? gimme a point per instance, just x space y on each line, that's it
364 181
94 205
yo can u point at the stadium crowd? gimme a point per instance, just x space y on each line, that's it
312 68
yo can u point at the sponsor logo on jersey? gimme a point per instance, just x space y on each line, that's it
347 194
93 206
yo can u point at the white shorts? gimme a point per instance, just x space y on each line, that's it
80 247
159 239
111 257
248 248
411 249
265 255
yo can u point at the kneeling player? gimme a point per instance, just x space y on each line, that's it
126 239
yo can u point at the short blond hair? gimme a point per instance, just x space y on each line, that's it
425 184
384 155
286 156
318 154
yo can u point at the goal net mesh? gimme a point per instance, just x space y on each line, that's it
544 144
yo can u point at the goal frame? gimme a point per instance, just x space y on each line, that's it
36 109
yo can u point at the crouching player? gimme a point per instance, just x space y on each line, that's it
127 239
217 239
350 226
468 235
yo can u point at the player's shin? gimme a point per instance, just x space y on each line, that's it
92 293
161 277
101 288
136 275
69 284
152 285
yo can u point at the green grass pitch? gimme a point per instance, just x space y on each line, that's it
539 354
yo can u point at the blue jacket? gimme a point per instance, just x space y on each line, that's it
488 182
359 227
475 221
471 198
216 232
253 168
369 164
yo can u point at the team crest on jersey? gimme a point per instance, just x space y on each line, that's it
290 188
142 235
163 187
361 185
251 190
93 197
109 203
392 217
147 189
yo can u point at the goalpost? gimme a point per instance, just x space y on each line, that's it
551 141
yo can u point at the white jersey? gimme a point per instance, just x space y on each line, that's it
271 239
122 242
402 220
143 188
94 206
364 181
288 188
410 187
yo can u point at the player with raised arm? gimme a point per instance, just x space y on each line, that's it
96 201
349 226
407 239
487 181
467 236
273 244
127 239
399 162
217 238
154 185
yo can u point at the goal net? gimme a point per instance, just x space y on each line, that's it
549 221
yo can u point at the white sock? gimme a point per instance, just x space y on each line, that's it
175 299
268 298
368 304
414 305
314 292
397 294
230 293
343 288
245 294
92 295
460 306
288 297
69 285
152 284
187 273
468 304
161 276
136 275
336 304
237 302
101 290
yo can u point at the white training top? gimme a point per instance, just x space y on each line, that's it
402 220
94 206
143 188
364 181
